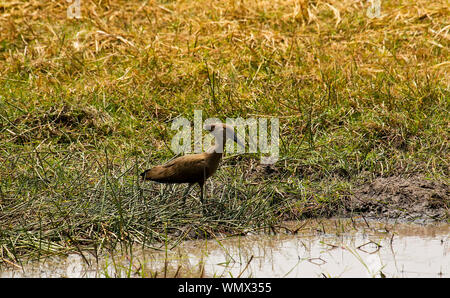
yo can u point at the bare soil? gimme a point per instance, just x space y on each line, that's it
411 198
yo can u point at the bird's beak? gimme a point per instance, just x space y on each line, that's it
236 139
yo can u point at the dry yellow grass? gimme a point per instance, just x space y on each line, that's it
166 43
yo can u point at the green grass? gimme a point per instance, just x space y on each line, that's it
87 104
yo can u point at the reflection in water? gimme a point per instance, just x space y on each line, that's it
321 248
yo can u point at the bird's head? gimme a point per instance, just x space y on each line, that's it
221 130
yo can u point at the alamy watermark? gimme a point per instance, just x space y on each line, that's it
74 9
258 139
374 10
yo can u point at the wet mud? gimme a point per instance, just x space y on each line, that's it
408 198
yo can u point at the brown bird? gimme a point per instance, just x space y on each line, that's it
194 168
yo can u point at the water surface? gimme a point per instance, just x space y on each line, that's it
314 248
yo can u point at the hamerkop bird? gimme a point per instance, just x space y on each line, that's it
194 168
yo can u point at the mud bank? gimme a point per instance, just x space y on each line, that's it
413 198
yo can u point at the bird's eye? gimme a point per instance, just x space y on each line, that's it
212 127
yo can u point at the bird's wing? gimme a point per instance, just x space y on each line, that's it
187 161
184 169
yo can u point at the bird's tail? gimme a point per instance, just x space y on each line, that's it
144 175
154 174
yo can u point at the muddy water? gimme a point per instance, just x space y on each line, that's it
318 248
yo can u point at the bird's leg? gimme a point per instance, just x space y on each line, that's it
201 192
201 196
186 193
